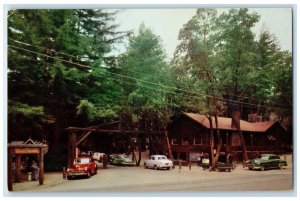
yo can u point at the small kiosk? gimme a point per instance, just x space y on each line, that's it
19 149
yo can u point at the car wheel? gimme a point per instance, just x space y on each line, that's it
155 167
229 169
168 168
88 174
96 171
281 166
262 168
250 168
69 177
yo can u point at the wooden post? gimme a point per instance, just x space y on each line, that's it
227 144
18 168
187 154
178 155
71 148
64 172
9 169
41 167
190 165
179 163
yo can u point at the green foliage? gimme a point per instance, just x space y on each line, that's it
144 61
85 111
53 61
196 52
218 56
25 111
23 116
237 48
62 70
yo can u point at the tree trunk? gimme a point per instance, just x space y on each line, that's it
236 120
212 144
219 140
139 150
168 144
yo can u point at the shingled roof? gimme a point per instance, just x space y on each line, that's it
224 123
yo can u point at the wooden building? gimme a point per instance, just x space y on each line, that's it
189 135
19 151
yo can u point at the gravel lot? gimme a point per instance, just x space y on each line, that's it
138 179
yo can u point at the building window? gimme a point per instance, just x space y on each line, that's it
185 141
197 140
175 141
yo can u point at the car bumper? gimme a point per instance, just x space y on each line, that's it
165 166
253 166
73 174
129 164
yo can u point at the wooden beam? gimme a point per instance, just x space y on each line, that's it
76 129
83 137
27 145
18 168
71 148
41 167
9 169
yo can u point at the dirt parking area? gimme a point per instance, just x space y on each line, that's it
138 179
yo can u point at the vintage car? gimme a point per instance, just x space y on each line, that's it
266 161
122 160
224 163
98 156
158 162
83 166
205 163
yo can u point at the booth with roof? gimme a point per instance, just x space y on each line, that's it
16 150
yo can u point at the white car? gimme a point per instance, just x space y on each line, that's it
98 156
158 162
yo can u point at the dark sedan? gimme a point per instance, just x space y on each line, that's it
266 161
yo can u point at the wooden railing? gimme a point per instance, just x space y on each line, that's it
206 148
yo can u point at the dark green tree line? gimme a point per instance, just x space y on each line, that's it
55 67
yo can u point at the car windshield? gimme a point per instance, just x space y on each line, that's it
264 157
82 160
162 158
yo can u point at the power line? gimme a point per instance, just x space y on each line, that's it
191 92
58 52
44 48
45 55
160 85
156 89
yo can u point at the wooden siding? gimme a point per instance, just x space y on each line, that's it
184 129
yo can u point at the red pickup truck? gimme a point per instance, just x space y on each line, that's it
83 166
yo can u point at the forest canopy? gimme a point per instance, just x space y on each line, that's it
61 72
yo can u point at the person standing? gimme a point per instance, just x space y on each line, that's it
229 158
104 161
35 170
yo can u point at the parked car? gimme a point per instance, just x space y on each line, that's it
225 163
83 166
98 156
266 161
205 163
122 160
158 162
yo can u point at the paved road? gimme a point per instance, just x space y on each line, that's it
138 179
